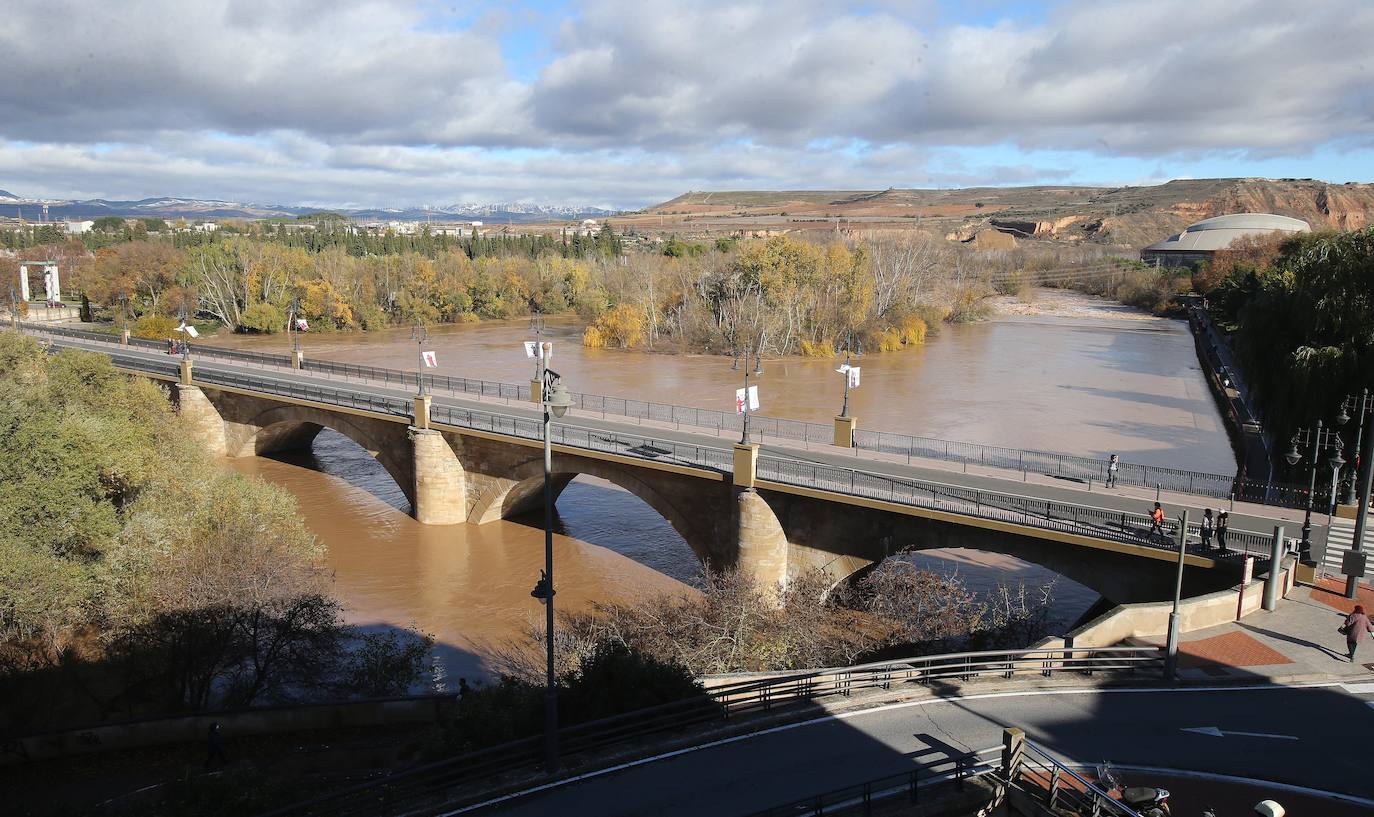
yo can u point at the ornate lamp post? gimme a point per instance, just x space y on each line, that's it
185 341
1319 439
856 346
420 335
556 400
1362 406
758 371
291 324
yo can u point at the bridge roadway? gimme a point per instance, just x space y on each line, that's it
823 468
1301 736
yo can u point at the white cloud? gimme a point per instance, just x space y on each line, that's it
370 101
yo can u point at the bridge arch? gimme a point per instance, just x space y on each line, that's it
523 493
288 427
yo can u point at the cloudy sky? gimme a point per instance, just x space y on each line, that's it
624 104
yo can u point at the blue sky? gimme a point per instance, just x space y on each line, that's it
624 104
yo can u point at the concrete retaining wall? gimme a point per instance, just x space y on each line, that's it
194 729
1151 619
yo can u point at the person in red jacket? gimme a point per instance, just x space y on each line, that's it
1356 627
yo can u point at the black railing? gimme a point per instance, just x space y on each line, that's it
860 797
454 783
1102 523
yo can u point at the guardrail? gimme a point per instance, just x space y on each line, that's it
1067 466
1062 790
1104 523
955 769
435 787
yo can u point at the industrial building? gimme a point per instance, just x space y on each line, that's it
1198 242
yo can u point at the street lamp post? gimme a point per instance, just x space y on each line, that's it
1362 406
185 341
758 370
1320 439
851 344
291 324
555 400
420 335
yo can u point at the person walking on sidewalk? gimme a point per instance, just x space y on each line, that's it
1112 465
1356 627
1205 529
1156 521
1223 520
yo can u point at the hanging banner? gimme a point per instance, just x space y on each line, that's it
753 398
531 349
190 330
853 375
844 367
302 325
739 401
431 360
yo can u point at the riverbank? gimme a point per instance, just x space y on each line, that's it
1046 302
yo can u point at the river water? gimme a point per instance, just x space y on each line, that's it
1076 376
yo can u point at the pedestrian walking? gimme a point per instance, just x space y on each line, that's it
1156 521
463 688
1206 529
215 746
1356 627
1112 465
1223 520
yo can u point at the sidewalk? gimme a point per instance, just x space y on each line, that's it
1294 643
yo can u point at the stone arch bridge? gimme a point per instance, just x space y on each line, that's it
464 465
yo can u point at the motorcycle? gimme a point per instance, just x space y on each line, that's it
1147 801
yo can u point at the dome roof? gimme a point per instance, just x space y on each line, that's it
1212 234
1250 221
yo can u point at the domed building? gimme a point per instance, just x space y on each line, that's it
1198 242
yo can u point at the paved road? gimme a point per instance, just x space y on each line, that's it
1331 727
1254 521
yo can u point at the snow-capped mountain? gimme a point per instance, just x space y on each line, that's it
12 205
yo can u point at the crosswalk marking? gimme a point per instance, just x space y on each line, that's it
1339 537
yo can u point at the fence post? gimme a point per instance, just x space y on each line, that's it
1013 748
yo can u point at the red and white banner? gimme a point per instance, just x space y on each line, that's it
431 360
753 399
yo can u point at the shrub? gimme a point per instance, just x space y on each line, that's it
262 317
154 327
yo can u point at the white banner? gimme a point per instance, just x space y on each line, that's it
431 360
302 325
531 349
853 375
190 330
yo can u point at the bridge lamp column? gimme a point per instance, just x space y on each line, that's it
556 401
420 335
185 341
1320 438
758 371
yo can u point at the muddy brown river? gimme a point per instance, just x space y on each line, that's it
1080 377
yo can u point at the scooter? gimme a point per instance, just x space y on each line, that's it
1147 801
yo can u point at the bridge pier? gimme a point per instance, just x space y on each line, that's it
202 419
762 544
440 481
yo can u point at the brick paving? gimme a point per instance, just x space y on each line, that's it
1234 649
1331 592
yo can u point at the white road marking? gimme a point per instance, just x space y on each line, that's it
1358 689
844 716
1220 733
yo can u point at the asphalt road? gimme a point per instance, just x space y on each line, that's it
1321 741
836 457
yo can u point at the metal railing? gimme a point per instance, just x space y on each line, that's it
860 797
439 786
1063 790
1103 523
1067 466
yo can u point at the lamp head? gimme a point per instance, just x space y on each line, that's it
1344 416
559 399
1292 454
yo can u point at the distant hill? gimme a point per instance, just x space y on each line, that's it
1132 216
172 208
